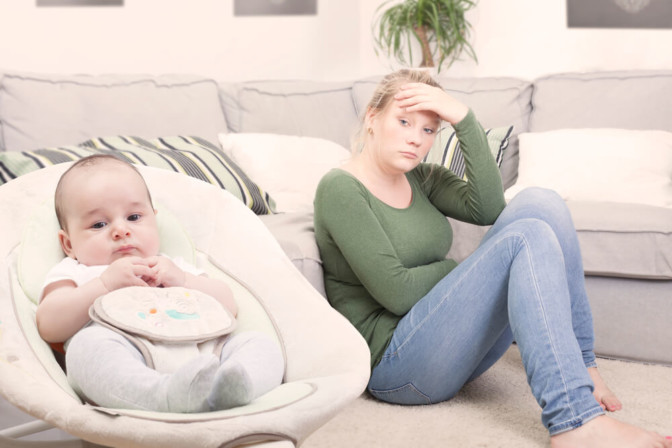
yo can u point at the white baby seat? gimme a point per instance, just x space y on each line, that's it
327 361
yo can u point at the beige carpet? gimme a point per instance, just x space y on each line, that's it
496 410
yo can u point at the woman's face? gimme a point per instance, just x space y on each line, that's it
401 139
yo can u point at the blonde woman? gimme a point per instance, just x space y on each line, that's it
433 325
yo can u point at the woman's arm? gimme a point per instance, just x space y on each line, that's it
481 200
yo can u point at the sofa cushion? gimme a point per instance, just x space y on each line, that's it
495 101
304 108
288 167
192 156
447 151
39 111
296 235
617 240
617 165
622 99
624 240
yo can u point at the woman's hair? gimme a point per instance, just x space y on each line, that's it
382 96
89 161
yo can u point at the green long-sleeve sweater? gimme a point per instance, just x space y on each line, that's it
379 260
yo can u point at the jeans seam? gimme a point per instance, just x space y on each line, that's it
550 339
410 385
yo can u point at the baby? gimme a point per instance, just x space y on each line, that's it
110 235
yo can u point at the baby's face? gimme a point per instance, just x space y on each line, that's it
108 215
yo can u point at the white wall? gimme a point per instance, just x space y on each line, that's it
196 36
522 38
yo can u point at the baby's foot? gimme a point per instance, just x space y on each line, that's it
232 387
188 387
606 432
602 393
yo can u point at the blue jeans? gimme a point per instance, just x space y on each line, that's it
524 283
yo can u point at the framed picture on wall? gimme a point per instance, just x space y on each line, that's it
619 13
80 2
274 7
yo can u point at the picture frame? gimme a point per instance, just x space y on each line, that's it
80 3
274 7
619 14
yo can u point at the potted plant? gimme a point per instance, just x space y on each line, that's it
439 26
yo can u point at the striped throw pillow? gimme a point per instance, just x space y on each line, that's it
192 156
446 150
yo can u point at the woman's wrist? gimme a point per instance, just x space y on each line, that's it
459 116
465 121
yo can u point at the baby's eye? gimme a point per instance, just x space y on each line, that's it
429 130
98 225
403 122
134 217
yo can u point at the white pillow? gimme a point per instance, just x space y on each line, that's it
287 167
613 165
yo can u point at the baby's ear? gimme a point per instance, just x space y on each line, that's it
66 244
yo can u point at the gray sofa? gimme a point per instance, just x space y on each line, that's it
627 248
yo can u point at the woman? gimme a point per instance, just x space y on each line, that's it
433 325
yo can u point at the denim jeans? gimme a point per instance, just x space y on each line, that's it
524 283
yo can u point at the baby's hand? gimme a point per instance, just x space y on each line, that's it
126 271
164 272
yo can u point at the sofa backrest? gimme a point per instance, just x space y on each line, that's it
39 111
622 99
303 108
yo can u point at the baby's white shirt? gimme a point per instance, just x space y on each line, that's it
80 274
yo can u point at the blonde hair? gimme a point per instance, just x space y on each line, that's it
89 161
382 97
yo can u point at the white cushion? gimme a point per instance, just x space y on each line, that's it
287 167
614 165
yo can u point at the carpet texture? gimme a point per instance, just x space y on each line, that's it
495 411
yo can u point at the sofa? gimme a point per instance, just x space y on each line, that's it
600 139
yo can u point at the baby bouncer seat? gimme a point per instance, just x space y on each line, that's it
327 361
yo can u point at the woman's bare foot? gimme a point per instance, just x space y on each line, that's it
603 394
606 432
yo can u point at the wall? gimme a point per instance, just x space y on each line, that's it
522 38
200 36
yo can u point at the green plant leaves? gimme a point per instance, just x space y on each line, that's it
439 26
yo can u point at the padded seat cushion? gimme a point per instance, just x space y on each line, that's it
624 240
296 234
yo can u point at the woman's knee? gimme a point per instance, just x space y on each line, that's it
539 196
533 234
541 203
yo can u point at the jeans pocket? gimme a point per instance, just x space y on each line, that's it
406 394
